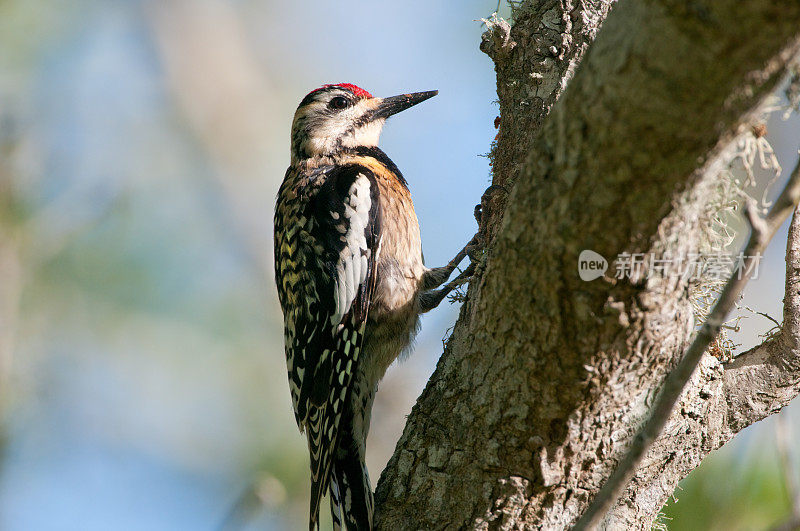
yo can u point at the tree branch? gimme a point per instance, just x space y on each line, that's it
761 232
553 38
721 400
547 378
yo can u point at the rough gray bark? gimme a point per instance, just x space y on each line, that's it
547 377
762 230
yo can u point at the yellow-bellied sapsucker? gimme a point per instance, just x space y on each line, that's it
351 282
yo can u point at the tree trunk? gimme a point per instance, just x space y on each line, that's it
547 377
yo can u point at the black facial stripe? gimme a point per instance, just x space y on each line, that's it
309 98
313 96
364 119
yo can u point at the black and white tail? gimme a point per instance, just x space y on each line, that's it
350 490
344 476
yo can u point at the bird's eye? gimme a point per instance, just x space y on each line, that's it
338 103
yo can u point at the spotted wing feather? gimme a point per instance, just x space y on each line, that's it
333 269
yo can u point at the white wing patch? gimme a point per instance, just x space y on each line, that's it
351 270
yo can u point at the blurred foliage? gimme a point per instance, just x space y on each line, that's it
727 494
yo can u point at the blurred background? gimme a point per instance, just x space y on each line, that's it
142 375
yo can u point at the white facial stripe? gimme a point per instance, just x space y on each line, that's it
326 130
366 135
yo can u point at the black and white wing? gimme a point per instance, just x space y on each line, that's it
330 257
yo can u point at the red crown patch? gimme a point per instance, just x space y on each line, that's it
355 89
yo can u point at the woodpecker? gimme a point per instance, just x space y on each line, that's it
351 283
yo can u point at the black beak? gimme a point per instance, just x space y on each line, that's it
395 104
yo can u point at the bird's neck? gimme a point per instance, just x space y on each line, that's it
369 156
342 155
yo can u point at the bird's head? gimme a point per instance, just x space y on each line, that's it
342 115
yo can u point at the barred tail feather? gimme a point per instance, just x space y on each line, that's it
321 453
336 504
313 514
355 492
